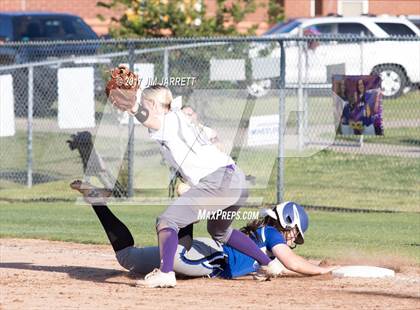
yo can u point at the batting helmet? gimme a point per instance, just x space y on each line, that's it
290 214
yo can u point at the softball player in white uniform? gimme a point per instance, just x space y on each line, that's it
216 182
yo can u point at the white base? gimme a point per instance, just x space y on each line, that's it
363 272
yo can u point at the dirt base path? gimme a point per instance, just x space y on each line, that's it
38 274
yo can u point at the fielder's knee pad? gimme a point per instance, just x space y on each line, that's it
218 234
163 222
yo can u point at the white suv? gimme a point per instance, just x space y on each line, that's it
380 27
398 63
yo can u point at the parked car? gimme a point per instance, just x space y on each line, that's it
376 26
43 26
34 27
415 19
397 63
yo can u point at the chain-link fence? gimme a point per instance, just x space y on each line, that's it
56 124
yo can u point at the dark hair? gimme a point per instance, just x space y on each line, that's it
250 228
364 86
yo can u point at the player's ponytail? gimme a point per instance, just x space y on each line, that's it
250 228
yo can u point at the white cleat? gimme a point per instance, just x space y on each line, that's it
158 278
274 269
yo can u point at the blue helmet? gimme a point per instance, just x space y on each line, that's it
290 214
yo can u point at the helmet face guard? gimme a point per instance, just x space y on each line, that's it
289 215
291 236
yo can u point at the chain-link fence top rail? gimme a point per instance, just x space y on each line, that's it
237 86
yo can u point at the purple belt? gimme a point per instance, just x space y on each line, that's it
231 167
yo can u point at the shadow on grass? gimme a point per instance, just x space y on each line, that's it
21 176
411 141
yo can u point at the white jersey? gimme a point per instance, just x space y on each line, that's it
187 148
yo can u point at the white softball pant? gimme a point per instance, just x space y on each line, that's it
204 258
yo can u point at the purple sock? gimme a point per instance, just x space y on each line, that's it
243 243
168 242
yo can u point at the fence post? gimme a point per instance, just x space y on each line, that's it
282 117
301 137
361 43
29 160
305 89
130 150
166 64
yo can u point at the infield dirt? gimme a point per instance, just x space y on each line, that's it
38 274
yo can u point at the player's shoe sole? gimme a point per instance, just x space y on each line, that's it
91 194
157 279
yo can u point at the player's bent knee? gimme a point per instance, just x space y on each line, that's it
139 260
123 258
219 235
163 222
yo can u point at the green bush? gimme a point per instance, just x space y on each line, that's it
179 18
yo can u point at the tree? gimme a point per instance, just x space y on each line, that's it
275 11
179 18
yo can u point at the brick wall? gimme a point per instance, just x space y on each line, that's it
302 8
329 6
393 7
297 8
259 17
88 10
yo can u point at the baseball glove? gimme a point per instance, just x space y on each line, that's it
122 88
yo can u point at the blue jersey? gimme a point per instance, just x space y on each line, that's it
239 264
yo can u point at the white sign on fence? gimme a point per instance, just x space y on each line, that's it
76 98
7 113
263 130
227 69
266 67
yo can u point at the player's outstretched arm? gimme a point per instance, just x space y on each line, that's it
296 263
122 89
146 115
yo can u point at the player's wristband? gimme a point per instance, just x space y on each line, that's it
142 114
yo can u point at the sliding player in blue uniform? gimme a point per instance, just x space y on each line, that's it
276 234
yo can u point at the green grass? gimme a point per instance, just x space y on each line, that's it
406 136
402 108
59 189
325 179
341 235
354 181
223 107
50 154
344 180
330 235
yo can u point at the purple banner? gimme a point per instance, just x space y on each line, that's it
358 101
